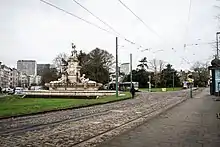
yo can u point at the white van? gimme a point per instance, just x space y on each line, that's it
185 84
19 90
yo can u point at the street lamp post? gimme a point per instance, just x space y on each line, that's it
217 41
191 90
131 70
190 80
173 80
116 67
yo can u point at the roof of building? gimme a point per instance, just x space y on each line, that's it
26 61
4 66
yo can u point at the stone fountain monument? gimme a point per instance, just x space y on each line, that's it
71 78
71 83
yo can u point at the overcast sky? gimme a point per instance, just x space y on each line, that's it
30 29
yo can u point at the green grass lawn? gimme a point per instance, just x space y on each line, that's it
14 105
160 89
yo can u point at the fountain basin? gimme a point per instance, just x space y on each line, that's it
67 93
74 86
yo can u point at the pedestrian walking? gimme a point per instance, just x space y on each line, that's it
132 91
14 90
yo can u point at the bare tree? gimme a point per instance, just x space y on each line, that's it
58 60
161 65
200 73
217 17
157 66
153 65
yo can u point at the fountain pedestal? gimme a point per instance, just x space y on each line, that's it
71 78
71 83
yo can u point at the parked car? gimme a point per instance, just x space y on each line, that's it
19 90
7 90
11 91
36 88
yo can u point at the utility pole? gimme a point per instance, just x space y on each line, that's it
191 96
217 54
116 82
190 80
108 79
173 80
131 69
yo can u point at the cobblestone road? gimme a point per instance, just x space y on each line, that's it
190 124
78 127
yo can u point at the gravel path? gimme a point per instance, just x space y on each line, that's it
74 127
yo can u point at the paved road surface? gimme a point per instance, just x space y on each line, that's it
191 124
85 126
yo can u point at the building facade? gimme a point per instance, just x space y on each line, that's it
23 80
1 74
9 77
28 67
41 68
5 76
38 80
31 80
14 77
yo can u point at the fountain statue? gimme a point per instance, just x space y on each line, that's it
71 78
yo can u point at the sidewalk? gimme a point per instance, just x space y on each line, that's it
191 124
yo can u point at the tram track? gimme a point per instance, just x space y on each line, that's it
51 124
35 127
153 107
25 123
139 118
83 127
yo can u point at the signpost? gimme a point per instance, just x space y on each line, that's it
190 80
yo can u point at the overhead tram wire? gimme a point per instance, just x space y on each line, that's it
97 17
52 5
140 19
188 20
198 44
188 62
88 22
190 6
183 59
105 23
